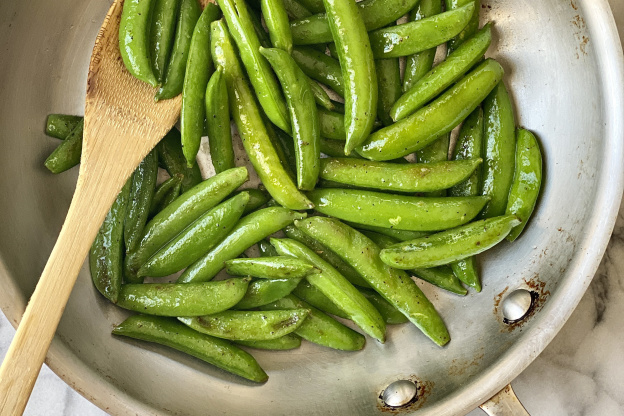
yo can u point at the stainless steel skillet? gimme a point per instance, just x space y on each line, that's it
564 67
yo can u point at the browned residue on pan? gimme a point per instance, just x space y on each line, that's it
540 295
424 390
574 6
461 367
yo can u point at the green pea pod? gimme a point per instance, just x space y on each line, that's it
418 64
60 125
303 116
266 249
263 291
165 193
335 148
106 254
134 28
280 267
296 10
171 299
176 69
396 211
67 154
420 35
284 148
527 180
218 123
181 213
394 285
141 194
248 325
263 81
389 313
413 177
471 28
466 271
249 230
251 127
198 70
257 198
173 334
400 235
435 152
337 288
448 246
389 83
320 67
329 256
171 157
320 328
331 47
276 20
262 34
320 95
443 75
308 293
432 121
162 34
499 150
375 14
287 342
315 6
358 69
332 125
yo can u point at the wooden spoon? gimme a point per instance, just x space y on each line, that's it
122 125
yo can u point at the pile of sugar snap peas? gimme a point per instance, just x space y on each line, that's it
379 219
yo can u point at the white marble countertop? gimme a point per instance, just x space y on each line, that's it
580 373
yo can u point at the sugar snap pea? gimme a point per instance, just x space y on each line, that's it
249 230
315 6
466 271
165 193
448 246
335 148
420 63
60 125
389 84
257 198
174 78
134 26
308 293
287 342
181 213
266 249
280 267
358 69
413 177
375 14
171 157
332 125
320 95
389 313
276 20
196 239
443 75
396 211
106 254
320 328
173 334
263 291
140 200
337 288
435 152
420 35
161 35
67 154
172 299
394 285
434 120
320 67
527 180
499 150
218 123
262 34
248 325
199 68
471 28
296 10
401 235
303 116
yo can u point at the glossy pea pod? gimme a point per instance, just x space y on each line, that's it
257 198
60 125
315 6
196 239
448 246
172 299
287 342
432 121
435 152
277 23
263 36
319 327
284 148
247 232
320 95
251 127
296 10
396 211
320 67
389 313
389 84
303 116
263 291
218 123
248 325
335 148
165 193
106 254
136 18
310 294
410 38
527 181
273 267
337 289
394 285
162 34
375 14
266 249
67 154
401 235
173 334
358 69
176 68
170 156
420 63
181 213
471 28
331 124
199 68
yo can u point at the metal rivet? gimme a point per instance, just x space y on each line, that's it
517 305
399 393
